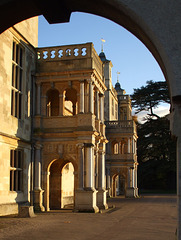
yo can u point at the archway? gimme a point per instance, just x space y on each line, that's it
70 103
151 26
61 182
52 102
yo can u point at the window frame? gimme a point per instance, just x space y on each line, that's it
16 170
17 79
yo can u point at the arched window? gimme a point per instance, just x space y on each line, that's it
115 148
70 103
123 146
52 102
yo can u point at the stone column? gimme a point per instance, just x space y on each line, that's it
81 96
85 200
128 145
179 186
37 187
91 97
61 104
101 196
101 107
97 105
44 105
96 168
108 181
130 191
135 179
38 99
80 166
175 128
119 185
132 149
89 166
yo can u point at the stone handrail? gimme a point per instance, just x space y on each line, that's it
122 126
71 52
64 52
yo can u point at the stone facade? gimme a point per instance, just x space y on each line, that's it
121 149
53 134
17 64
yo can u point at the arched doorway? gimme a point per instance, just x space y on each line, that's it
61 185
143 20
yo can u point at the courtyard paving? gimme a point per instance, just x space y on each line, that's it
146 218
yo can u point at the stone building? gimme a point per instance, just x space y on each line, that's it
121 153
67 136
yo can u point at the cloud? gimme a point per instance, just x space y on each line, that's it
161 111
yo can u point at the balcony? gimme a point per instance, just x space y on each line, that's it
80 122
68 58
127 126
128 157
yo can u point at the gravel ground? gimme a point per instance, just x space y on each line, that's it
146 218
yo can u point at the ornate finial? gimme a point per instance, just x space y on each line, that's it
118 76
103 41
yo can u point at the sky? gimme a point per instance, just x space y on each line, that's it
128 54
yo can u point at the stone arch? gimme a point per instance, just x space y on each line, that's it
123 146
114 184
54 185
52 102
115 147
158 30
70 102
136 17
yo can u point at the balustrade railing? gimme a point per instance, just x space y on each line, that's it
70 52
123 126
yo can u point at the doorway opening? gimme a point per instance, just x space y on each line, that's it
61 185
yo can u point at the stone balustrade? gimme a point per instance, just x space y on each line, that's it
64 52
127 126
71 52
123 157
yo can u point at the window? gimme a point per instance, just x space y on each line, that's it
17 78
116 111
115 148
112 106
16 162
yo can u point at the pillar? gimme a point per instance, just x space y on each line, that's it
38 99
96 168
61 104
80 166
136 180
91 97
179 187
37 186
101 107
128 145
97 105
175 128
81 96
130 191
101 196
44 105
108 181
85 198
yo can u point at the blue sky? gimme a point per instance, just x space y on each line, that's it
128 55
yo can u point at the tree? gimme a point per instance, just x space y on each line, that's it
148 97
156 149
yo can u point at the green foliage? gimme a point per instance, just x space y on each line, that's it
148 97
156 149
156 155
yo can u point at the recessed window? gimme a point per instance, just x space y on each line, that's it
17 80
16 163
